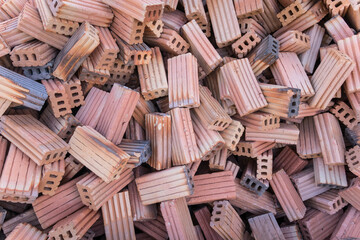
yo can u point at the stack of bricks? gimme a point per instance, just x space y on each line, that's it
167 119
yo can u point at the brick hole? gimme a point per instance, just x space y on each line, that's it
247 181
217 219
346 115
291 13
183 48
46 70
30 71
265 122
77 94
341 110
338 202
338 4
263 167
352 120
49 182
52 176
34 56
55 155
69 234
54 26
62 109
285 17
259 188
47 157
62 28
301 38
38 70
296 9
263 173
173 41
158 27
47 188
253 185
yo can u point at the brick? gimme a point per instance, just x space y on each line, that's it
354 100
294 41
232 167
94 192
23 218
264 55
154 28
194 10
4 144
155 228
232 134
51 209
4 48
308 58
51 176
353 15
268 18
345 114
352 159
20 177
308 145
86 143
336 75
205 53
58 97
291 232
251 182
151 186
212 187
135 131
74 92
81 44
13 7
138 150
264 164
142 108
331 139
30 23
127 28
330 175
88 73
259 120
72 167
55 24
328 202
39 72
218 161
19 130
338 29
152 77
226 222
11 34
177 219
158 131
245 44
184 147
120 67
117 217
4 105
348 225
137 54
291 12
246 8
314 15
101 15
174 20
318 225
289 161
74 225
337 7
20 89
252 148
26 231
268 222
250 25
89 114
282 101
203 216
276 135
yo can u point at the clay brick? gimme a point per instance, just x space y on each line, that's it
23 111
12 7
95 12
142 108
4 105
120 67
142 10
138 150
212 187
232 134
348 225
22 90
20 178
260 120
74 225
58 97
26 231
232 167
268 222
338 29
81 44
4 48
331 139
353 15
308 58
155 228
135 131
184 148
249 24
218 161
289 161
4 144
19 130
282 101
268 18
318 225
264 165
226 221
308 145
127 28
203 216
39 72
245 44
289 199
294 41
86 143
51 209
94 192
252 149
152 77
89 114
88 73
55 24
291 232
345 114
137 54
174 20
330 71
251 182
264 55
115 116
330 175
352 159
226 32
29 22
11 34
152 188
194 9
158 131
348 46
287 133
117 217
201 47
337 7
328 202
289 72
25 217
290 13
51 176
74 92
351 193
154 28
72 167
246 8
312 16
178 220
354 100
